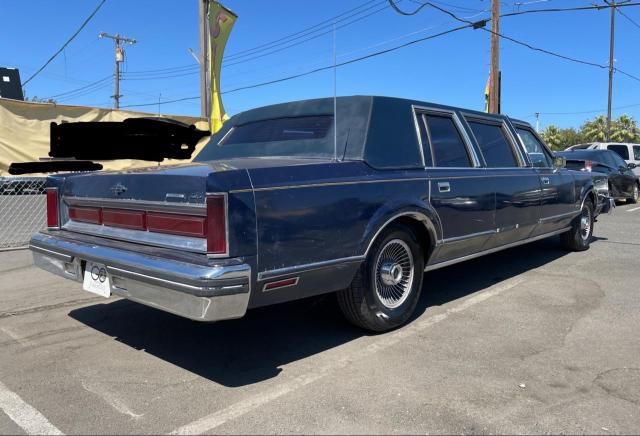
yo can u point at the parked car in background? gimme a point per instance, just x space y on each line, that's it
629 152
623 184
296 199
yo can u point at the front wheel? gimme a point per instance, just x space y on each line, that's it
634 195
386 288
579 237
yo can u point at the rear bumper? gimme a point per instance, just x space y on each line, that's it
198 292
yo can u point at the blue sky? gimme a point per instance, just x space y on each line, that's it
452 69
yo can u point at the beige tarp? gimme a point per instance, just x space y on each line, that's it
24 130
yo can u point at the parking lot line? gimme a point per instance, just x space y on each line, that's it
633 210
216 419
24 415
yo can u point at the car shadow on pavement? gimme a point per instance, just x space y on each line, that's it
252 349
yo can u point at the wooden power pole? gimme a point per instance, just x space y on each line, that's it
119 40
494 76
611 3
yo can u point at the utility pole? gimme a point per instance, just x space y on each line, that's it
537 122
611 3
119 41
204 46
494 77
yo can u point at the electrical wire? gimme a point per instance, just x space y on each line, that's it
628 18
82 26
395 7
73 91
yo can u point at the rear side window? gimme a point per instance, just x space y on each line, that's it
622 150
618 161
447 147
496 149
280 129
636 152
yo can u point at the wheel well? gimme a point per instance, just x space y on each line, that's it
425 238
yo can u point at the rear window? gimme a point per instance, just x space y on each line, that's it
280 129
636 152
622 150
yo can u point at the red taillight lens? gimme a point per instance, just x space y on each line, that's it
129 219
176 224
53 213
91 215
588 165
216 224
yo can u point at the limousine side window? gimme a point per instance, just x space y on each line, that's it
447 147
493 142
538 155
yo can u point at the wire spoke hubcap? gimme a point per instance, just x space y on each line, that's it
585 223
394 273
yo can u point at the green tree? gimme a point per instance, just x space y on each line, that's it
559 139
625 129
552 137
595 130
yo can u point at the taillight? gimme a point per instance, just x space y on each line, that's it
177 224
53 211
588 165
216 224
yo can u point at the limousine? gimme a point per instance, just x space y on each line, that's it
298 199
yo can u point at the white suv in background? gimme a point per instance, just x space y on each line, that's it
629 152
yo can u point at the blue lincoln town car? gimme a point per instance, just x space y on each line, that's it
299 199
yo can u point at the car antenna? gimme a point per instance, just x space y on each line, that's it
335 99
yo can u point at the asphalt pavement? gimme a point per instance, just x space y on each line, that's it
528 340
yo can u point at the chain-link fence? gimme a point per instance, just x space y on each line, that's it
22 210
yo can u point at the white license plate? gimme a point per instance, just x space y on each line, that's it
96 279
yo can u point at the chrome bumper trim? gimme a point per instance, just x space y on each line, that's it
199 292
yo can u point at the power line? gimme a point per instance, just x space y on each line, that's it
631 76
328 22
86 92
86 21
395 7
628 18
73 91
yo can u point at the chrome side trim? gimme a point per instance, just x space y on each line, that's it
187 243
469 236
557 217
316 185
199 209
282 272
493 250
420 217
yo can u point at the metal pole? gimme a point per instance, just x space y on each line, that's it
116 75
538 122
204 95
494 79
611 68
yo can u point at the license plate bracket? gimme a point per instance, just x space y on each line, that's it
96 279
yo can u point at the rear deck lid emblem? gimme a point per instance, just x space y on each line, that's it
118 189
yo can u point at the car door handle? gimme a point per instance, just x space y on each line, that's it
545 180
444 187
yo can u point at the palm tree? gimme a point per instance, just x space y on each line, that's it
624 129
552 137
595 130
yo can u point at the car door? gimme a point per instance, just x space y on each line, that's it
635 148
459 189
557 207
625 175
516 186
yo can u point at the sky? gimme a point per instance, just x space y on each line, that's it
451 69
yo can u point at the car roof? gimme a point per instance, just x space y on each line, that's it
582 154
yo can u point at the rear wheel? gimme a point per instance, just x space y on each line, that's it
386 288
579 237
634 195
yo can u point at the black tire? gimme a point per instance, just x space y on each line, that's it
579 237
373 301
634 195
